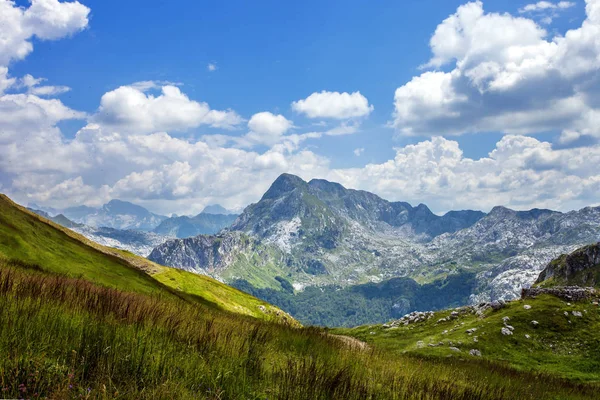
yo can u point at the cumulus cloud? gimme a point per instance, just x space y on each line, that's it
505 75
334 105
359 151
44 19
267 128
133 109
212 67
521 172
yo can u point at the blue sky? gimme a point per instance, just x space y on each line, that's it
269 54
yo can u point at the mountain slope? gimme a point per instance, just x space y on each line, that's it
146 331
330 235
201 224
229 256
579 268
137 242
33 240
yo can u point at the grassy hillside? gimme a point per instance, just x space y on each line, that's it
69 338
565 342
31 239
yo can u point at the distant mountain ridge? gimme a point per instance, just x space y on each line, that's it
137 242
319 233
116 214
217 209
202 224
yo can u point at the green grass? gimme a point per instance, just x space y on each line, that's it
257 267
25 236
226 297
564 346
68 338
29 238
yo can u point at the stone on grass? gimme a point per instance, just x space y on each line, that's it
505 331
475 353
527 307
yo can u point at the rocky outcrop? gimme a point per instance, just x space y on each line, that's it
581 267
212 255
569 293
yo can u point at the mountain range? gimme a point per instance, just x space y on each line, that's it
123 215
85 320
319 233
130 227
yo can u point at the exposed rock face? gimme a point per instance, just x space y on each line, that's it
138 242
569 293
209 255
581 267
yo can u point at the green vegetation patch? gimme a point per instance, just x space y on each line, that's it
563 341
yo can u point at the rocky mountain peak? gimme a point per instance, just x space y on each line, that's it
283 185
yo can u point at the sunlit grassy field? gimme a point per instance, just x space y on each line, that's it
66 338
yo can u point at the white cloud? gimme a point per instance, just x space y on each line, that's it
333 105
359 152
269 124
521 172
546 11
212 67
44 19
546 5
5 81
267 128
131 109
505 75
33 87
